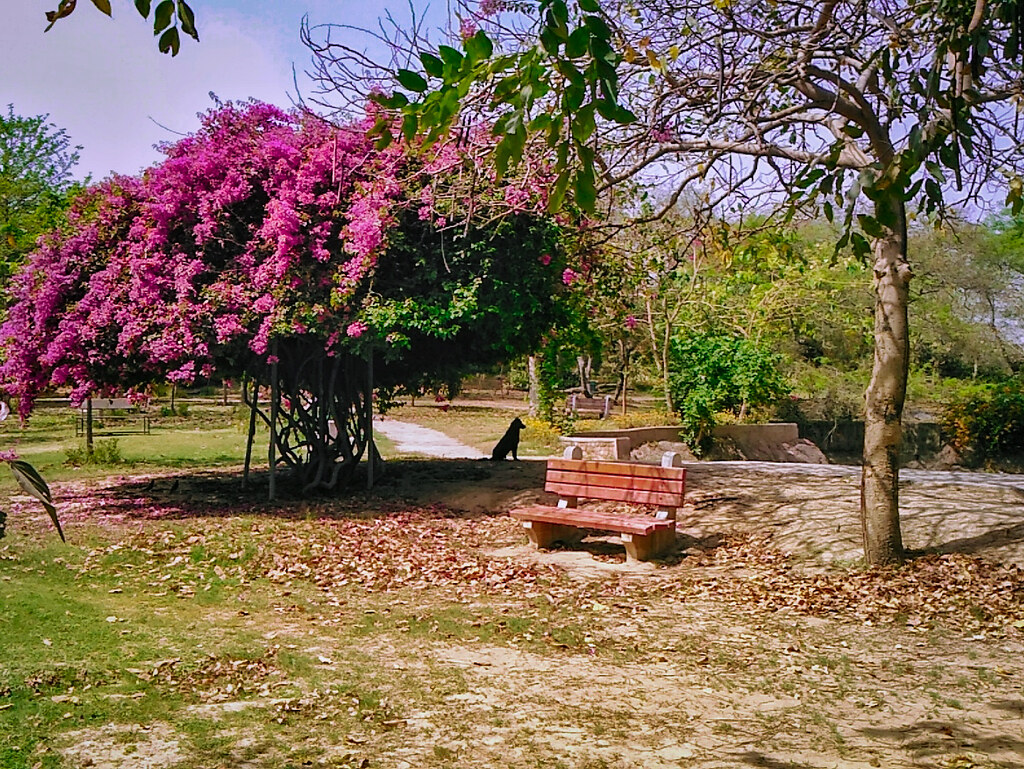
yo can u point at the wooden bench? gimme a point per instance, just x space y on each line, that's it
104 410
579 405
573 479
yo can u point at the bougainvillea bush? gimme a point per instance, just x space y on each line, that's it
279 247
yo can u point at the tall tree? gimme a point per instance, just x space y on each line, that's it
864 107
36 158
279 248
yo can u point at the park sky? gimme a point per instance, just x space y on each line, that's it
104 81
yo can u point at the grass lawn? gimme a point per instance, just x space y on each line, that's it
212 629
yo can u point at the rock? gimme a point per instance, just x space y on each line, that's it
804 450
948 458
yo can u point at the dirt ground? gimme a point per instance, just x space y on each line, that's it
753 646
809 512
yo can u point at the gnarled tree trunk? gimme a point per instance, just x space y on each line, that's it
321 418
880 516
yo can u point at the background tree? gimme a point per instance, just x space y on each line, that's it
863 106
36 162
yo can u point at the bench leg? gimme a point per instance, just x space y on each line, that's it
645 547
544 535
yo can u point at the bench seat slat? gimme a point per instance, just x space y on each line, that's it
626 524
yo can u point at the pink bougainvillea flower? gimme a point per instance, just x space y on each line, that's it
630 322
357 329
545 259
569 276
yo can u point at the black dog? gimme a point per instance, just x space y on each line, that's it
509 441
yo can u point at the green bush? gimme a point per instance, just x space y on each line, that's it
987 421
714 372
180 410
104 454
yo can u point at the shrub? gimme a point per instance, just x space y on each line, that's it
104 454
714 372
988 421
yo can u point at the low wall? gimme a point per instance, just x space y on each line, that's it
617 444
922 441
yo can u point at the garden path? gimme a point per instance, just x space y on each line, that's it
414 439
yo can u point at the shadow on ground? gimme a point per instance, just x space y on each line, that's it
810 517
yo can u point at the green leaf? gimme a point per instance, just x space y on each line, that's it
598 27
610 110
870 226
861 247
549 41
384 141
583 125
585 190
410 124
450 56
590 6
410 80
557 195
577 43
935 170
397 100
479 47
574 96
143 7
162 17
102 5
187 19
32 483
432 65
170 41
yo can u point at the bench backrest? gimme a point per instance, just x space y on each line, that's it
579 403
616 481
103 404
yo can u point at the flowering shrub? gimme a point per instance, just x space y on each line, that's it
268 230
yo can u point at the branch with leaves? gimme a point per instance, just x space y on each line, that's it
171 19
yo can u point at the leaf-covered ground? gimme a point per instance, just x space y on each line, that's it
190 625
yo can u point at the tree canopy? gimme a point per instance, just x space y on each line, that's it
272 237
36 158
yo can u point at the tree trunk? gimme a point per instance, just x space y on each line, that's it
880 516
533 396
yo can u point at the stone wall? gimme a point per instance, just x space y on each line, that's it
617 444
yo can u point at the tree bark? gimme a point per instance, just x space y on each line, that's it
880 516
533 396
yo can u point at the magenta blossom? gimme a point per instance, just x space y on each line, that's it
357 329
569 276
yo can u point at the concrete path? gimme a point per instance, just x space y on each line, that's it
413 439
907 475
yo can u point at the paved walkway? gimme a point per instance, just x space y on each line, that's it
907 475
413 439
